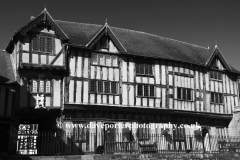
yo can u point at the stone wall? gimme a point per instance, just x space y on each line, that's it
234 125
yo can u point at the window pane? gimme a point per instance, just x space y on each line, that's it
211 74
114 87
42 44
146 68
34 86
189 96
150 69
152 91
108 60
140 91
100 86
101 59
212 97
35 44
215 75
146 90
141 69
106 87
115 61
93 86
216 97
94 58
219 75
184 94
49 44
179 95
41 86
137 69
221 98
48 87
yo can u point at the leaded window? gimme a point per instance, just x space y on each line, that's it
104 60
184 94
99 86
144 68
145 90
216 97
41 86
42 44
215 75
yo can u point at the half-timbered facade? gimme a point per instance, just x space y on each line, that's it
98 74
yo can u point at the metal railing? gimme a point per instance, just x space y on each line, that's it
60 143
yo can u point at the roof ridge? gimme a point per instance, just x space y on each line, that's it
141 32
78 22
162 37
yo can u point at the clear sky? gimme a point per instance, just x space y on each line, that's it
200 22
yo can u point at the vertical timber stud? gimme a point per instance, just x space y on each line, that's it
195 90
61 90
120 78
83 59
173 84
30 48
52 89
128 90
167 84
154 83
200 89
160 81
149 93
75 75
108 79
114 80
20 51
134 81
89 74
101 78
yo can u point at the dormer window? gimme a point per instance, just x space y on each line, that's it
42 44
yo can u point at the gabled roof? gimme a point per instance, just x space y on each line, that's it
130 42
139 43
106 30
6 68
217 53
43 17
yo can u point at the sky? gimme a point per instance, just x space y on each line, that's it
200 22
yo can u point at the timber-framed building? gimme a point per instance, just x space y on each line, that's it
99 74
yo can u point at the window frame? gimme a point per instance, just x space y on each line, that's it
38 81
216 98
141 88
143 66
183 94
95 88
113 63
215 75
36 40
